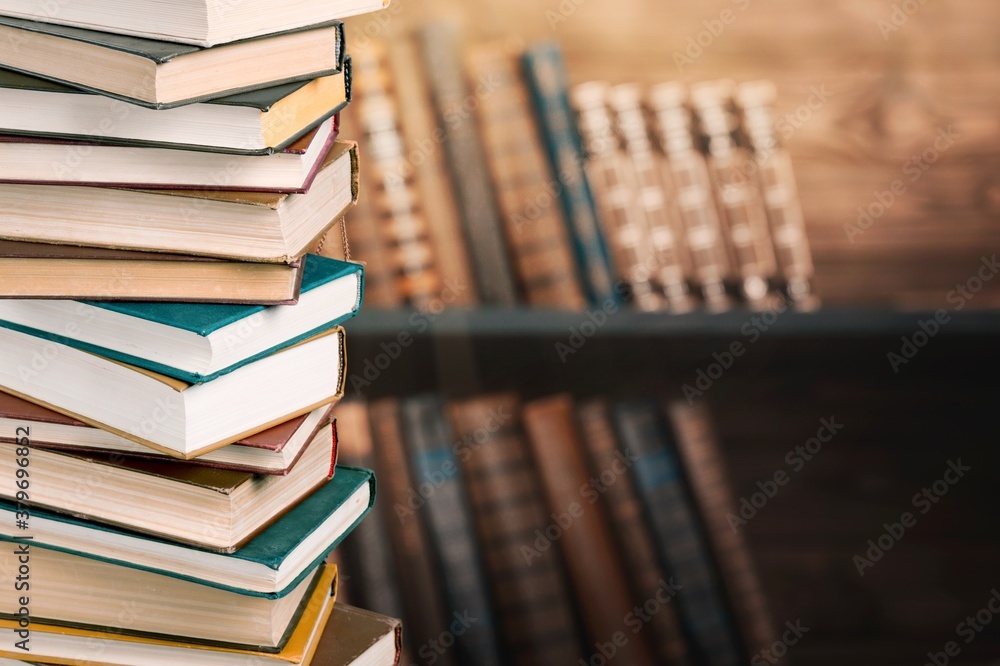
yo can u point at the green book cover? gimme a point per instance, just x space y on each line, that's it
270 548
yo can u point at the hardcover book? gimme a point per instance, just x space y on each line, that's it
200 22
200 506
162 75
252 123
356 637
71 646
268 565
50 161
182 419
195 342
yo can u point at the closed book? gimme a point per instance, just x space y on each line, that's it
75 591
422 133
271 451
427 613
200 22
536 230
647 576
533 603
776 178
546 75
245 226
616 194
72 646
357 636
252 123
682 545
200 506
439 44
396 203
269 565
182 419
160 74
49 161
684 166
450 528
367 554
592 559
656 202
39 270
194 342
706 474
740 205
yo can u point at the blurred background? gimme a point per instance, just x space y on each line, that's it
888 113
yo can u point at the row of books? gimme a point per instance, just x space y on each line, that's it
169 485
493 181
569 531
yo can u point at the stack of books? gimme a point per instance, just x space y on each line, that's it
170 350
552 195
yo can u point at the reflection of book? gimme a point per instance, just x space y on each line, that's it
46 161
253 123
71 646
163 74
356 636
268 565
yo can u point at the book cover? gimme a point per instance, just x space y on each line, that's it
673 521
533 603
354 635
546 76
200 319
450 528
290 536
483 232
595 568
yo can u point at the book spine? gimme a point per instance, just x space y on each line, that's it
426 612
396 203
685 167
634 537
594 564
737 194
440 48
366 551
546 76
660 212
673 522
615 192
529 589
533 220
776 179
705 472
452 533
423 138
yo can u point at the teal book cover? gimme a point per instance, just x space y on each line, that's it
545 73
270 548
205 318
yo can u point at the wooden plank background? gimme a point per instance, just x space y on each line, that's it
887 91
